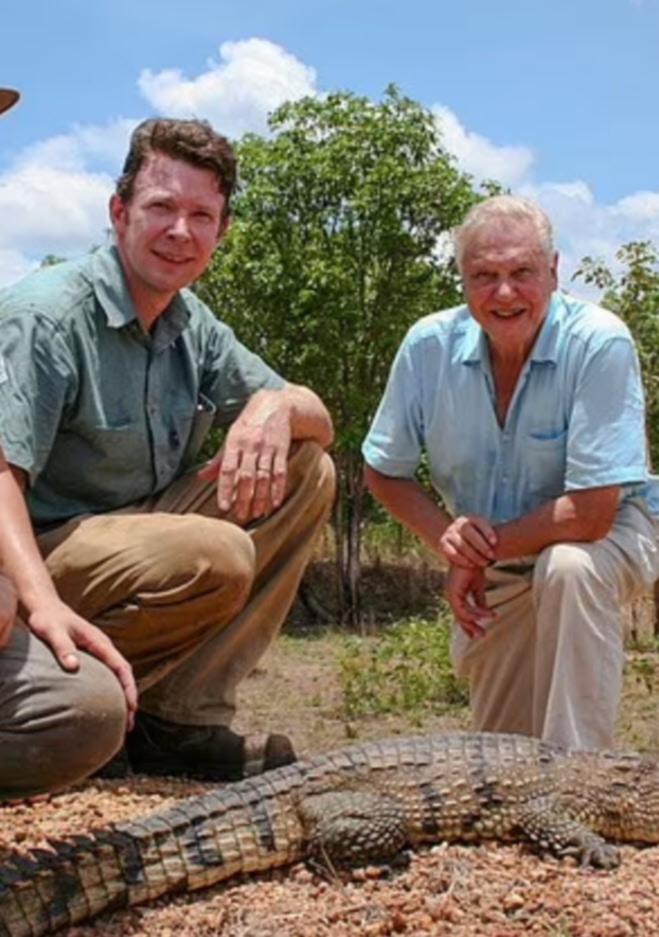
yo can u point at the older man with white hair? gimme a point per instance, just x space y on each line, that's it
530 407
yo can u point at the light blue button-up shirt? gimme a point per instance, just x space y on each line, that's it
576 419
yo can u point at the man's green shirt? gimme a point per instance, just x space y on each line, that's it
97 412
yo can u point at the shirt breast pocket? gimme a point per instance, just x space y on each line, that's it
122 443
545 457
107 465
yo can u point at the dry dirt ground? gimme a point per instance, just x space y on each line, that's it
488 891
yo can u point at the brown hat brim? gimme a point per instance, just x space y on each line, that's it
8 97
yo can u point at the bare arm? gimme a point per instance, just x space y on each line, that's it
471 543
463 541
576 516
585 516
8 605
580 516
410 504
251 467
310 418
20 555
47 616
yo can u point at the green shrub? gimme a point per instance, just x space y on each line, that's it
406 669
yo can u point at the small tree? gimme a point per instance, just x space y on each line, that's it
634 296
334 251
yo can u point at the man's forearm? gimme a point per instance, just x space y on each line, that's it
309 416
410 504
19 553
578 516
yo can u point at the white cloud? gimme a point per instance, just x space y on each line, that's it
641 207
583 226
586 227
53 197
53 210
479 156
103 145
253 78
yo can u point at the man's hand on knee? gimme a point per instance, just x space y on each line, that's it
8 604
65 632
252 465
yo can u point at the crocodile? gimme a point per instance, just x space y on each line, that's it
363 804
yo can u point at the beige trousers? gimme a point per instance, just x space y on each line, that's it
551 663
190 598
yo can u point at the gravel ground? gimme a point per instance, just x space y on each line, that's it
487 891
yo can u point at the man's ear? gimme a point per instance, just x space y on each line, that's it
554 270
117 209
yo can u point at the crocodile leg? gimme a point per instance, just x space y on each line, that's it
543 822
347 828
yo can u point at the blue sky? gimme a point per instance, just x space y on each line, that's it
556 99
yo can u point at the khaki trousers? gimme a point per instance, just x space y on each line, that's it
551 663
190 598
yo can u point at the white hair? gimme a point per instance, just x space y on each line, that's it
502 208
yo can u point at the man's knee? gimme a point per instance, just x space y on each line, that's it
326 472
564 563
96 721
75 723
311 468
227 555
206 554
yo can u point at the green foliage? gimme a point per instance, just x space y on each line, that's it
642 666
385 539
333 250
51 260
407 669
634 296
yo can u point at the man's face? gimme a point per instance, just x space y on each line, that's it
508 280
167 232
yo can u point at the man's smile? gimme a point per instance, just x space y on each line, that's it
168 258
507 313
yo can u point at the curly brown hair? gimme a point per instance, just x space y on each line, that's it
193 141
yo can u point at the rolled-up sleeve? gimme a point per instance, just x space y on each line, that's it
396 437
606 440
36 381
232 373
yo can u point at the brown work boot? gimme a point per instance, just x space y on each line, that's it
116 767
208 753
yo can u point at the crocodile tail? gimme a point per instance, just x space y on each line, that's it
249 826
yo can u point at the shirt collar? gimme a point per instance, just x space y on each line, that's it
114 297
545 348
474 343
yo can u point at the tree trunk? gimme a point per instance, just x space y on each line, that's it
347 526
354 568
338 529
